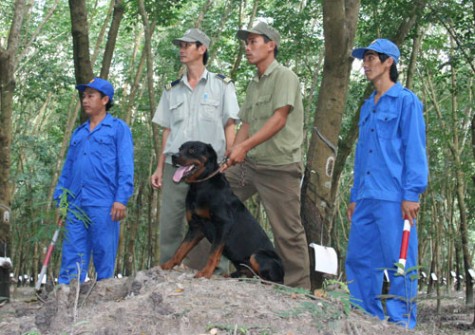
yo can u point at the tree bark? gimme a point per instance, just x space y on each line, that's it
238 60
460 191
416 46
452 132
80 32
154 210
134 88
119 9
203 12
472 131
228 7
8 63
339 25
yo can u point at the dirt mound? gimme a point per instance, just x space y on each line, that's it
175 303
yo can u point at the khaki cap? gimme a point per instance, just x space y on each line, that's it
193 35
261 28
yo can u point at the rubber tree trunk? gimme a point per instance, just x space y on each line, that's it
318 193
8 62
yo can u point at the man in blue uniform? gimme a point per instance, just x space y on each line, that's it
390 173
98 175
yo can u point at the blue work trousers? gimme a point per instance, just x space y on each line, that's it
99 237
374 246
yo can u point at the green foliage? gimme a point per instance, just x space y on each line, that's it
45 95
66 209
321 312
338 291
291 290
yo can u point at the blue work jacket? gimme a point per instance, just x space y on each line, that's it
391 160
99 166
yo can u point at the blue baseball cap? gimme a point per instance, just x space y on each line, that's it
380 45
100 85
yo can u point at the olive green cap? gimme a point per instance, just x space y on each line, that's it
261 28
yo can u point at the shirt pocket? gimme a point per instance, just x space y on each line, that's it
73 149
263 99
104 147
177 111
209 110
387 124
262 107
362 130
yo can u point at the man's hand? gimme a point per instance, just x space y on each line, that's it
156 179
223 167
350 210
235 155
118 211
409 210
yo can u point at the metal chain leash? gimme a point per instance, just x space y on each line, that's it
243 175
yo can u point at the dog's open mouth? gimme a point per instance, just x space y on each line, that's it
183 171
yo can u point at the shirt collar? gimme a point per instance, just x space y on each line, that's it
269 70
392 92
204 76
107 121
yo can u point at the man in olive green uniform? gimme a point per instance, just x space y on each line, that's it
200 106
268 150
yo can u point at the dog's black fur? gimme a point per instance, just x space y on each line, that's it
215 212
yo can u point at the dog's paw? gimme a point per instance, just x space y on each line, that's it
204 274
167 265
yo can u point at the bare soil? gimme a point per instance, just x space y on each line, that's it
174 303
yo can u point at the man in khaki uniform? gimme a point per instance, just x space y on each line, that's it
200 106
267 149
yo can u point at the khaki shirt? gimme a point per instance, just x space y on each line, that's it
276 88
198 114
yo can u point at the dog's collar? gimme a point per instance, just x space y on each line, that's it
211 175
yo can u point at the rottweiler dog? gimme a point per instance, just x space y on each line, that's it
215 212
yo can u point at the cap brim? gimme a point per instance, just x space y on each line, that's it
81 87
243 34
359 53
177 41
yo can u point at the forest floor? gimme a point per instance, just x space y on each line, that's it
174 303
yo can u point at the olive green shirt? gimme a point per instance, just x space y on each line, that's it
276 88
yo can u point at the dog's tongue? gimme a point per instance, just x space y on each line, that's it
180 172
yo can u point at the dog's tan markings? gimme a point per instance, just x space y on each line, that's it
181 252
188 215
213 260
254 264
203 212
196 174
